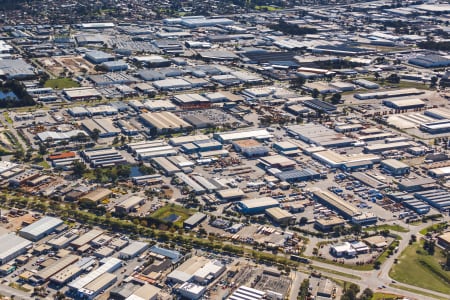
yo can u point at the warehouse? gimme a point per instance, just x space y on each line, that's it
173 255
286 148
40 228
198 189
257 205
367 84
97 195
439 172
107 265
96 286
277 161
12 246
417 184
250 148
86 238
228 137
404 103
201 146
178 141
298 175
319 135
205 22
430 61
378 148
328 223
247 293
334 202
164 121
389 94
114 66
438 198
187 101
102 157
319 105
133 250
104 127
45 274
172 84
395 167
280 216
230 194
417 206
159 105
166 166
67 274
441 126
129 205
438 113
181 161
194 220
62 241
208 185
98 57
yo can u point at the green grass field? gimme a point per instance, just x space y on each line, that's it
384 296
417 268
61 83
397 228
166 211
427 295
433 228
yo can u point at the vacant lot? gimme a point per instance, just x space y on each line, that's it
61 83
417 268
172 214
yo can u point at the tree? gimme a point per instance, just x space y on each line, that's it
393 78
95 134
433 81
79 168
336 98
315 93
42 149
367 294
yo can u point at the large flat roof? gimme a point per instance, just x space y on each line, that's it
41 226
11 243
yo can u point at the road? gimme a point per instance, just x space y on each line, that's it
12 130
377 278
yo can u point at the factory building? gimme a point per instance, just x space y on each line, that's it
438 198
250 148
430 61
194 220
91 284
280 216
298 175
40 228
319 135
395 167
367 84
228 137
286 148
439 172
129 205
97 195
441 126
277 161
257 205
230 194
173 255
389 94
344 208
133 250
98 57
417 206
404 103
164 121
47 272
102 157
11 246
327 224
86 238
166 166
378 148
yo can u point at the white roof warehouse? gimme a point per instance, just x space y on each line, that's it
40 228
12 246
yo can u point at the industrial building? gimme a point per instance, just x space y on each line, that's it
47 272
133 250
346 162
91 284
129 205
190 183
40 228
441 126
430 61
228 137
166 166
230 194
102 157
86 238
344 208
244 292
438 198
319 135
194 220
328 223
389 94
257 205
250 148
404 103
395 167
298 175
280 216
97 195
378 148
11 246
164 121
277 161
150 149
173 255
